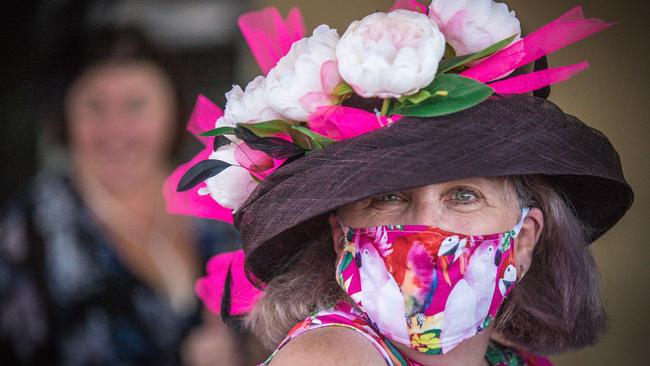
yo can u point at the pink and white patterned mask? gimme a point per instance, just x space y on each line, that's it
425 287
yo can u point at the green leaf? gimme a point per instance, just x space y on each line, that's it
271 128
301 139
454 62
417 98
319 139
449 51
273 146
268 128
451 93
219 131
342 89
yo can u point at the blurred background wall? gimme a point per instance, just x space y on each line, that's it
611 96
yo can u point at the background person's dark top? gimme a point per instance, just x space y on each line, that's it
67 299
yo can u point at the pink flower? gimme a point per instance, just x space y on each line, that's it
247 106
330 79
473 25
232 186
299 75
340 123
390 54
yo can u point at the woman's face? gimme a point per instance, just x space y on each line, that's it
470 206
120 119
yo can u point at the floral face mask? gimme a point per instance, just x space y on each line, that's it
425 287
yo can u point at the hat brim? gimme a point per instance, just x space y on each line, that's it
503 136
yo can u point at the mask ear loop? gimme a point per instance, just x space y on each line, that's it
517 229
520 223
342 240
344 229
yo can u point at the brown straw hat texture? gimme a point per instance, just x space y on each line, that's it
503 136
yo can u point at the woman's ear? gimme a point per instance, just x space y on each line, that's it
528 236
337 234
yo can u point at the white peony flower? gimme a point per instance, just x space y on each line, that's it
299 73
232 186
473 25
390 54
247 106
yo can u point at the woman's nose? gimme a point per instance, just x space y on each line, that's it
114 121
425 208
425 214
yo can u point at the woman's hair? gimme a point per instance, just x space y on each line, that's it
308 286
108 45
555 307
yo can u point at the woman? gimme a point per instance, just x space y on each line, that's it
408 208
94 270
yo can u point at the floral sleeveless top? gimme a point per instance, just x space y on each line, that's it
344 315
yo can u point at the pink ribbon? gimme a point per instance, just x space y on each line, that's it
190 203
203 118
340 123
210 289
258 163
538 79
412 5
564 31
269 36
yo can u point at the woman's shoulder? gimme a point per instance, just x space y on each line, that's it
338 335
329 346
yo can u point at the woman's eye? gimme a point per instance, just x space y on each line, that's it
135 105
464 196
388 198
95 106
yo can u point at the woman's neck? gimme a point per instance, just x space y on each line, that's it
148 240
470 352
141 196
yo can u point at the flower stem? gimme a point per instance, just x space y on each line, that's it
385 106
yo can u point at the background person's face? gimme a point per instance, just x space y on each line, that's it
120 121
471 206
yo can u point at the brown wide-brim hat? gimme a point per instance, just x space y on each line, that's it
503 136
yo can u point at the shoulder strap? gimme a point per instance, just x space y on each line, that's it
335 318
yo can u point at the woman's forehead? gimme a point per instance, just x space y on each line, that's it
487 184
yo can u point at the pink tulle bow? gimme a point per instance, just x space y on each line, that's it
564 31
412 5
329 79
269 36
251 159
210 289
203 118
340 123
538 79
190 203
258 163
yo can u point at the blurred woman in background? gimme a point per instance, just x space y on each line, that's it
92 268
